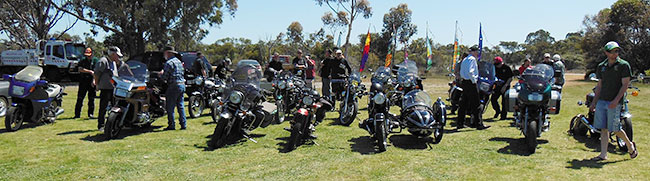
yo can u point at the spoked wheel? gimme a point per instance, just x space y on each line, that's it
437 135
215 110
279 112
380 135
4 105
531 136
220 134
346 118
627 127
576 127
14 118
196 106
112 127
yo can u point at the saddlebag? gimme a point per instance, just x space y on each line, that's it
554 103
511 99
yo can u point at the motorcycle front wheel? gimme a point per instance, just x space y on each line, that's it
627 127
220 134
576 127
531 136
346 118
14 118
215 110
112 127
196 106
380 135
296 132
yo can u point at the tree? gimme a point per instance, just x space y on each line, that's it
294 34
399 18
538 43
25 21
345 17
138 22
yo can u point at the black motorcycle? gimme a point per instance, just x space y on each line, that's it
348 91
33 99
311 111
535 101
137 100
286 94
486 84
581 124
243 111
379 102
455 92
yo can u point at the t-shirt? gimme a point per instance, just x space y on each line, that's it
89 64
610 77
504 73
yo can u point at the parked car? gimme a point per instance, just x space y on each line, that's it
5 99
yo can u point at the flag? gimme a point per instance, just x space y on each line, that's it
429 61
389 56
456 53
366 50
480 41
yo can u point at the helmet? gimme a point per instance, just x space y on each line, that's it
557 57
227 61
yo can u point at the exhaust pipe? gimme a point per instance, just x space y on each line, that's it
59 111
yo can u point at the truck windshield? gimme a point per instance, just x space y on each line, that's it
74 51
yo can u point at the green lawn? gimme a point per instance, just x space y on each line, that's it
72 149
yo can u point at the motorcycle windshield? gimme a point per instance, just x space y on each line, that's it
247 74
355 76
540 71
137 72
407 73
486 71
381 75
29 74
416 98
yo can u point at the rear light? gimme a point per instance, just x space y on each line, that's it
400 89
552 109
112 81
141 88
32 89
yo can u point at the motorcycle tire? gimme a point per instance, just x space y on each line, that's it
627 127
112 127
296 133
279 112
380 135
195 106
576 127
215 110
347 120
437 135
220 134
531 136
14 119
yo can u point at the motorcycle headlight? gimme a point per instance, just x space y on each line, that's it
236 97
307 100
535 97
17 90
484 86
379 98
282 84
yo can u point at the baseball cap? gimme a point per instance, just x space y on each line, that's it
498 60
88 52
115 50
170 49
547 55
339 51
611 45
473 48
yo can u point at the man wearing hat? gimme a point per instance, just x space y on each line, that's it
504 73
86 84
339 69
106 68
173 74
614 77
469 101
547 59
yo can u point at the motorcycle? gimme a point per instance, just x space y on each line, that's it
581 124
137 99
33 99
311 111
455 93
243 111
348 91
535 101
286 90
379 102
486 83
204 93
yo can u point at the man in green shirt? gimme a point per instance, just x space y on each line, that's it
86 84
614 77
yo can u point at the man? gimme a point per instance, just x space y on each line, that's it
86 84
328 60
469 98
222 68
504 73
547 59
339 69
104 71
173 74
274 67
614 77
299 63
310 74
198 67
559 68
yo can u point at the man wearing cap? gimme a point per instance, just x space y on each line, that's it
299 63
86 84
614 77
106 68
173 74
469 101
547 59
504 73
339 69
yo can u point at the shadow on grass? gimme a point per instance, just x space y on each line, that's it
75 132
516 146
230 141
125 132
24 126
410 142
593 143
579 164
364 145
283 145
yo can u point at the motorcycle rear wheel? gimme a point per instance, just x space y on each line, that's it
196 106
14 119
531 136
627 127
576 127
380 136
112 127
437 135
347 118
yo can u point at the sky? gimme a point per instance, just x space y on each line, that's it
502 20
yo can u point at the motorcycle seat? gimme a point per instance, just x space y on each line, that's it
53 90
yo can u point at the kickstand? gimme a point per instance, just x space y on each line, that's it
315 143
249 138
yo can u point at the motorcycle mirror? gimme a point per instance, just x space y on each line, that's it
592 77
41 82
6 76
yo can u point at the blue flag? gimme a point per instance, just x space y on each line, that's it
480 41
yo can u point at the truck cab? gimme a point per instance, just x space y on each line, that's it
59 57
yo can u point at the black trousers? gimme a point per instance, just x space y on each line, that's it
85 88
469 103
105 96
495 101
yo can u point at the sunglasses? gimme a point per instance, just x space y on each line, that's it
612 51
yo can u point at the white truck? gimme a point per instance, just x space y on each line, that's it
59 58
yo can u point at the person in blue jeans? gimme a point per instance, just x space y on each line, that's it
173 74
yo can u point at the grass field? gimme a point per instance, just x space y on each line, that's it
72 149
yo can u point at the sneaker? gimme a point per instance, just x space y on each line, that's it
90 116
482 127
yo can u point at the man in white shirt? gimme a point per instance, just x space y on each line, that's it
469 100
